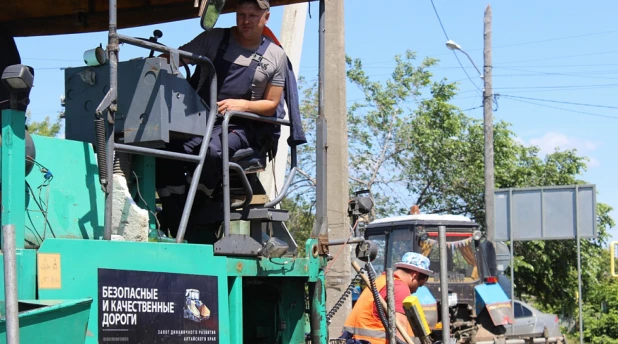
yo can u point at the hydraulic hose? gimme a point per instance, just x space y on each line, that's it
343 297
376 300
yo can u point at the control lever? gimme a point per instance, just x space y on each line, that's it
156 34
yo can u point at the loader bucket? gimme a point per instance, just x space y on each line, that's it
50 321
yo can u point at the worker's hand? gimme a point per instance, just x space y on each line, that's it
233 105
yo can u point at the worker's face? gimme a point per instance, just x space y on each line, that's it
418 280
250 20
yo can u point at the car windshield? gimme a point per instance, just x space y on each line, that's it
461 263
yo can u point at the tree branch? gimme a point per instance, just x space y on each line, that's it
422 194
306 175
358 180
389 135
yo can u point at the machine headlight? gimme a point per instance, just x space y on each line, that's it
18 78
452 299
477 235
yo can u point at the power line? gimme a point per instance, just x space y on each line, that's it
563 109
439 20
561 87
564 65
474 108
561 102
546 90
454 53
587 75
556 39
603 71
562 57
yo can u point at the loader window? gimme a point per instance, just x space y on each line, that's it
378 263
462 265
392 247
402 242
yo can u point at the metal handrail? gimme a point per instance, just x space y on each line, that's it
226 162
175 54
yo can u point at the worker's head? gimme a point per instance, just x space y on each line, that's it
416 268
251 17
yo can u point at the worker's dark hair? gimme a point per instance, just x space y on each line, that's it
421 276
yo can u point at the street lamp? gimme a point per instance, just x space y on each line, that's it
454 46
488 129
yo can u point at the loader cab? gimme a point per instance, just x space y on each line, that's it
471 262
158 108
419 233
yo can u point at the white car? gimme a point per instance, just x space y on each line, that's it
530 322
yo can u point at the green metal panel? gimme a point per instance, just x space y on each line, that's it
80 260
236 313
26 272
319 325
73 199
292 308
13 172
52 322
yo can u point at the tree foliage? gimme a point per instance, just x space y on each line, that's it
601 310
409 145
44 128
378 128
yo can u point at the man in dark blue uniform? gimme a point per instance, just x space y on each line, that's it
251 74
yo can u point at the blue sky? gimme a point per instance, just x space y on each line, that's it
548 53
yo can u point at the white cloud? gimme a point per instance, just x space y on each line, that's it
552 140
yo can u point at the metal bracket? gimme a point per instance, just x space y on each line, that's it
323 244
238 245
107 104
174 61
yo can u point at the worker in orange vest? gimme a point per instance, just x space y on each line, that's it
364 324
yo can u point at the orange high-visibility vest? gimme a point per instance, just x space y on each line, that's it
362 323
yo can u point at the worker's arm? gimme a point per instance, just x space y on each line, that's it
403 320
264 107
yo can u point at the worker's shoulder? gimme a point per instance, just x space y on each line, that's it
274 48
214 35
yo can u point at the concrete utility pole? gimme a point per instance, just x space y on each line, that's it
489 130
337 194
291 37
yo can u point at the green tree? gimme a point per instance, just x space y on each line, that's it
378 127
601 310
45 127
410 150
301 220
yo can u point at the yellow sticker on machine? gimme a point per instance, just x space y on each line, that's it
49 268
